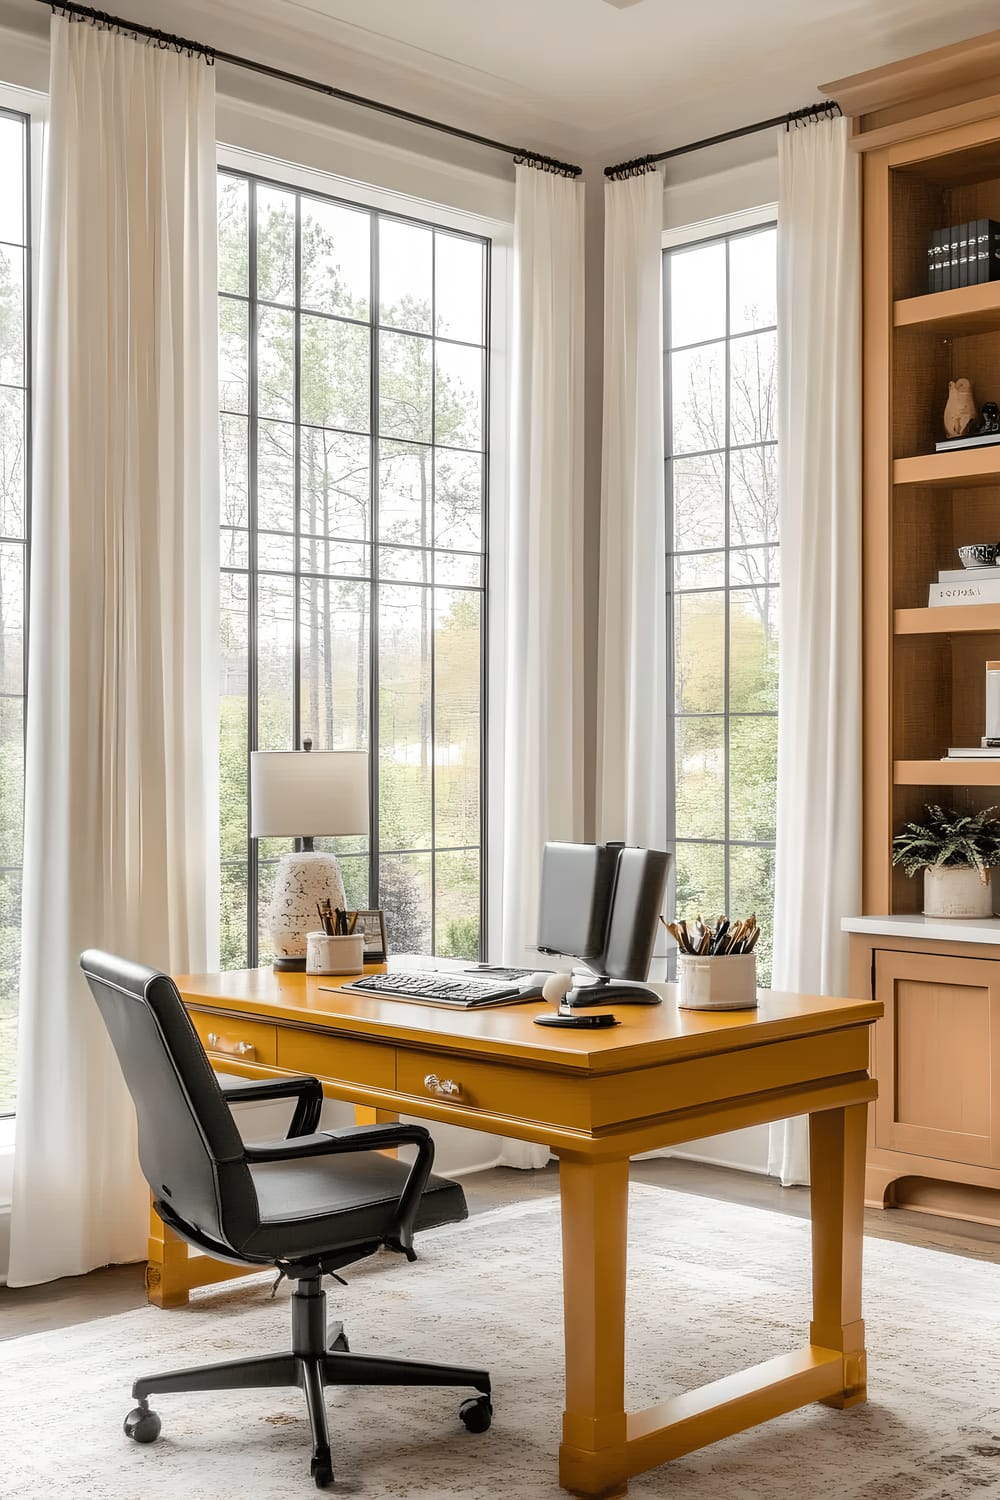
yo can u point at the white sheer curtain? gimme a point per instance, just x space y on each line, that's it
818 861
543 722
121 739
632 709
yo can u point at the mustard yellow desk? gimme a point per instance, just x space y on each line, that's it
596 1098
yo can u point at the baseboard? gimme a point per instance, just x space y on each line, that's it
718 1161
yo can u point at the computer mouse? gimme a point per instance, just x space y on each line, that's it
554 986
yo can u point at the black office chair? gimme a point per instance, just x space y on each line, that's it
309 1205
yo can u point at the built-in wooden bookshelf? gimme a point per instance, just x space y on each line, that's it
928 130
923 667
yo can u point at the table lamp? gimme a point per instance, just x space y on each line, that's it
326 792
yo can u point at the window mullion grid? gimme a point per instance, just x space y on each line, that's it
297 729
428 603
727 639
670 684
253 672
373 608
484 583
26 332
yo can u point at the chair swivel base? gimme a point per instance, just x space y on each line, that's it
317 1359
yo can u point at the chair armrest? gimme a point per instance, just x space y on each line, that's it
307 1091
351 1138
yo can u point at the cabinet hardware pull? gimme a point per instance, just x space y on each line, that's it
237 1049
447 1088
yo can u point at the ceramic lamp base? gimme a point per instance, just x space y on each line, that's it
301 882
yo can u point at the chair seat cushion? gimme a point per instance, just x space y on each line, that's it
322 1202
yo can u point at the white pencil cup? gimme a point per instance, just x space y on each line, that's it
342 954
728 982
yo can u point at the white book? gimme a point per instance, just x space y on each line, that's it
986 591
972 753
968 575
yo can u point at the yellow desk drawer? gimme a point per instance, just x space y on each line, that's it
371 1064
493 1088
231 1036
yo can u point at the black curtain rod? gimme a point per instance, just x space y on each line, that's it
213 55
642 164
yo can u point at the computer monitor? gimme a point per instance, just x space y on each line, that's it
600 904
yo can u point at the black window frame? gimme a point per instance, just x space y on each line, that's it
376 215
727 843
24 541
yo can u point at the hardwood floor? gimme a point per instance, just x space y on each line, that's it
101 1294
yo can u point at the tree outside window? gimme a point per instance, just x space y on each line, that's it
353 399
722 525
15 489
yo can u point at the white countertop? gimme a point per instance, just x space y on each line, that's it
938 929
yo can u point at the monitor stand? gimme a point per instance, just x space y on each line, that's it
604 991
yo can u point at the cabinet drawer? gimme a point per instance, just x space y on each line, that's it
338 1057
230 1036
494 1088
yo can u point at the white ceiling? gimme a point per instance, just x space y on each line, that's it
589 80
653 74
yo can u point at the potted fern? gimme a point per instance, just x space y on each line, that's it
957 853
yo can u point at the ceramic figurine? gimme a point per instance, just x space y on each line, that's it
961 408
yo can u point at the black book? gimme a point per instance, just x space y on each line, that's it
931 260
948 254
937 272
958 233
992 250
978 252
963 253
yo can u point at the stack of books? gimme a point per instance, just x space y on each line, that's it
966 586
963 255
973 752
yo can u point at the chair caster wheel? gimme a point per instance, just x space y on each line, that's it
321 1469
142 1425
476 1413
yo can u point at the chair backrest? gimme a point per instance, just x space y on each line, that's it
191 1151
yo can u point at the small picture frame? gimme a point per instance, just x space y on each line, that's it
372 925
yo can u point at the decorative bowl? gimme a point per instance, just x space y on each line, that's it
980 554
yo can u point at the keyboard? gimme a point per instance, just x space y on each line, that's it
455 990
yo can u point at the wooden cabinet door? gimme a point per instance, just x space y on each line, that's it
937 1056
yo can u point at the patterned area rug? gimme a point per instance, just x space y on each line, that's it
714 1287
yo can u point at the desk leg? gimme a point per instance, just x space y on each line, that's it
166 1266
594 1198
837 1168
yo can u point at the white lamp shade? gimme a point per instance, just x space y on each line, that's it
308 793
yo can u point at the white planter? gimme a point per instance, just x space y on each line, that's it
958 892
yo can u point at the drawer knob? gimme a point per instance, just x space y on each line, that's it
447 1088
235 1049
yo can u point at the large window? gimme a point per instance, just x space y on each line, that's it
353 445
14 491
722 528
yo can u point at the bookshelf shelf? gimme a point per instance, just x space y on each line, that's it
963 468
967 310
946 773
949 619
